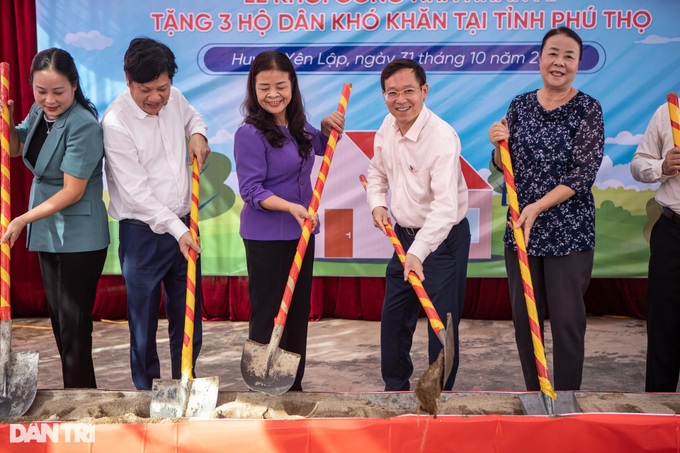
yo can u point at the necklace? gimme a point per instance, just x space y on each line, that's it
49 123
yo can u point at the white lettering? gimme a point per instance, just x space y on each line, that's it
52 432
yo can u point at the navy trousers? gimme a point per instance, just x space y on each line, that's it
445 272
149 261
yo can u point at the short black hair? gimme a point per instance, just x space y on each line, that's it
567 32
402 63
147 59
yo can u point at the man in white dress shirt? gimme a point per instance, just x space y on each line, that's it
417 157
657 160
149 182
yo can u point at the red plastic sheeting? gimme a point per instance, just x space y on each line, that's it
407 434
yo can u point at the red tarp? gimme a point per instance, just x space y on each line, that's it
407 434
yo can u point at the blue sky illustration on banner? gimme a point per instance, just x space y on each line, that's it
478 55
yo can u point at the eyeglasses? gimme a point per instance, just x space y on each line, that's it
408 93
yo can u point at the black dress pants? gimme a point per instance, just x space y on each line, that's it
70 281
269 264
663 308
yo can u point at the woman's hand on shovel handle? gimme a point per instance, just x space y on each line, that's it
335 120
301 215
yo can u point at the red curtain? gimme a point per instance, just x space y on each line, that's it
361 298
18 45
227 297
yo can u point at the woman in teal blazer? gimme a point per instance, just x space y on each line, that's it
61 143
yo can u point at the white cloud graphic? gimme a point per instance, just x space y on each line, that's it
91 40
612 176
222 136
624 138
484 173
656 39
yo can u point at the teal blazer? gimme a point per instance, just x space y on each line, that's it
74 146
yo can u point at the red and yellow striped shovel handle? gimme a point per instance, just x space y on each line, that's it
673 112
5 213
536 337
435 321
313 206
188 341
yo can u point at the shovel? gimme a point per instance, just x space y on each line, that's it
432 381
188 396
18 370
266 367
544 403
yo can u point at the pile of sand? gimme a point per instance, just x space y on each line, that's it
97 406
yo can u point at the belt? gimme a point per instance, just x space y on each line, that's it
410 231
186 219
670 215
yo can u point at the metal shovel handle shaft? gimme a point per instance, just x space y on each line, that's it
5 213
313 206
190 310
536 337
428 307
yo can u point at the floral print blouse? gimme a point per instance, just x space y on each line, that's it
549 148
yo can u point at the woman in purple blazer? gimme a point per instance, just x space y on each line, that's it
274 152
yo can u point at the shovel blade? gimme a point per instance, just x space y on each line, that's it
429 386
540 404
173 398
449 348
431 383
268 370
203 397
21 384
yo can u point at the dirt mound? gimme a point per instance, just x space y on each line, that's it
97 406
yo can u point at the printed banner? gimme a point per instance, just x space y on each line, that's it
477 54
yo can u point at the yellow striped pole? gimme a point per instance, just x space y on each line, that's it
536 337
188 345
313 206
5 214
672 99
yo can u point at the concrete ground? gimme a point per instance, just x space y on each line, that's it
344 355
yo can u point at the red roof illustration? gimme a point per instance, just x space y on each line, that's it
364 140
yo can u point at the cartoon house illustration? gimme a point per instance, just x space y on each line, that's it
347 230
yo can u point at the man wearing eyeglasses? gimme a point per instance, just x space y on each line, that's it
417 157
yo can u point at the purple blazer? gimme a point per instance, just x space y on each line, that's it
263 171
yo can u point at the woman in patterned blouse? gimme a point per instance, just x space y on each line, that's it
556 140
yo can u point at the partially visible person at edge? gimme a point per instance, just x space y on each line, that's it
556 140
148 170
60 141
274 153
417 158
657 160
